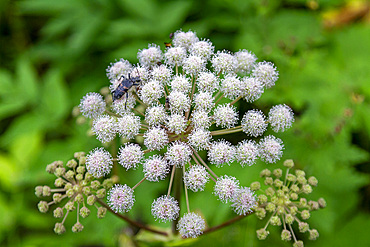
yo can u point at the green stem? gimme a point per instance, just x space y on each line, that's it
224 132
130 221
177 195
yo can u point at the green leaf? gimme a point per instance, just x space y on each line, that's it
26 81
55 100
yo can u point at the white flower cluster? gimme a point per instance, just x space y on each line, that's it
186 95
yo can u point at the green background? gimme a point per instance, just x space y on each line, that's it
54 52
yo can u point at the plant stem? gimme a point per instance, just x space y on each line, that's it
226 223
142 180
130 221
186 192
204 163
171 180
177 195
235 100
224 132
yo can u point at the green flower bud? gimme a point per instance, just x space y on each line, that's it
291 178
275 221
79 177
70 206
43 206
268 181
72 163
82 160
38 191
303 202
78 227
80 120
301 179
312 181
305 214
270 191
277 173
322 202
265 173
262 234
101 193
60 171
280 210
289 163
255 186
76 188
101 212
69 175
91 200
260 213
46 191
84 212
294 196
285 189
59 228
86 190
78 155
88 177
293 210
280 193
313 205
262 199
294 188
95 184
299 243
314 234
300 173
59 182
68 186
58 212
278 183
57 197
289 219
70 193
286 235
51 168
107 183
79 198
303 227
307 189
81 169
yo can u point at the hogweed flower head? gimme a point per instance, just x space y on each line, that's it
182 99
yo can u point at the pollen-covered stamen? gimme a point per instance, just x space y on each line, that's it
117 69
221 152
105 128
151 56
99 162
245 60
155 168
178 154
191 225
92 105
266 72
254 123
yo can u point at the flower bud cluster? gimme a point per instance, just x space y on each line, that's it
283 202
75 190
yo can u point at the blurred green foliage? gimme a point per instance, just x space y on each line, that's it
54 52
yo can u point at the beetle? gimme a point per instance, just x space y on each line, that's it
124 85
